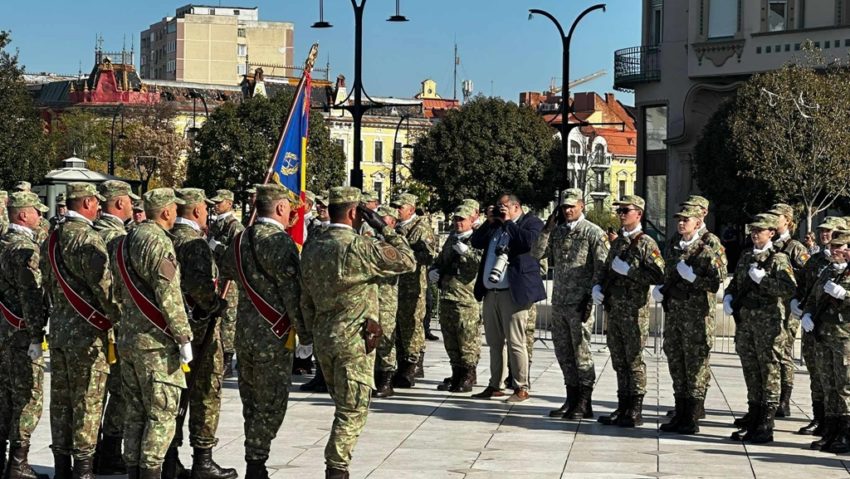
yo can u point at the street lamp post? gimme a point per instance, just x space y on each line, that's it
397 151
195 96
566 127
357 109
120 110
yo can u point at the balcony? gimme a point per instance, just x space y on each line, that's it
636 65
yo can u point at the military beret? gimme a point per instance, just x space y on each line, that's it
385 210
158 198
82 190
839 238
274 191
696 200
765 221
474 204
631 200
833 223
781 209
689 212
114 188
25 199
339 195
222 195
22 186
463 211
572 196
404 199
193 196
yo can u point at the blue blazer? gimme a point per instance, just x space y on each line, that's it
526 284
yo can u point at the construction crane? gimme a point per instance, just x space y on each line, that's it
593 76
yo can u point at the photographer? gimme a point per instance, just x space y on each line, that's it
509 282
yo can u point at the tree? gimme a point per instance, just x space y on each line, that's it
153 149
24 152
487 147
83 134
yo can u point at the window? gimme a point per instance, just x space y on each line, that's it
240 32
656 128
340 143
843 12
656 22
575 148
379 151
241 69
723 18
212 11
378 186
241 50
621 189
236 12
777 15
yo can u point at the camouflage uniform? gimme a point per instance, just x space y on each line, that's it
78 362
798 255
5 331
151 371
224 229
385 353
340 295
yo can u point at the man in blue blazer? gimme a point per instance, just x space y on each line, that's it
508 290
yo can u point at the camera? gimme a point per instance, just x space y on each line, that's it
500 266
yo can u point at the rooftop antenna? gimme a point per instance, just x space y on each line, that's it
456 63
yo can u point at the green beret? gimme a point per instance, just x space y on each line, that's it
696 200
193 196
222 195
631 200
339 195
26 199
385 210
113 188
404 199
765 221
159 198
82 190
572 196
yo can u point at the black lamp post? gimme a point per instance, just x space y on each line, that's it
566 127
195 96
118 111
357 109
396 150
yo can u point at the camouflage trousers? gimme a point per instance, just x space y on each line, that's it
810 356
351 400
228 320
5 390
571 337
627 332
385 353
113 410
265 372
205 394
530 328
77 386
688 340
409 327
25 391
787 366
759 339
833 352
461 327
152 382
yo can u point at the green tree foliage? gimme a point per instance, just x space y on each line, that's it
483 149
24 152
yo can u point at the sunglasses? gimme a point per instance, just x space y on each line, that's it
624 211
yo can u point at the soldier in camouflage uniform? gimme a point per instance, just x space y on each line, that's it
806 283
824 316
311 222
756 296
44 225
116 210
24 307
223 228
78 332
138 213
61 209
271 273
692 277
412 288
370 201
154 336
634 263
454 271
198 274
798 254
5 396
578 250
315 226
341 312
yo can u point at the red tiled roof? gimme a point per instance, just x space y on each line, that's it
433 106
620 143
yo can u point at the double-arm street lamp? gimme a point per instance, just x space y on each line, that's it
118 111
398 150
357 109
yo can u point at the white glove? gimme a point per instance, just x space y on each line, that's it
186 353
686 272
757 274
795 309
213 244
620 267
598 297
727 305
808 324
657 295
34 351
433 275
461 248
303 351
835 290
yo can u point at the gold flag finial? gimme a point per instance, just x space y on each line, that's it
311 58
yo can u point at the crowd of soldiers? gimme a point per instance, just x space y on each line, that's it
148 300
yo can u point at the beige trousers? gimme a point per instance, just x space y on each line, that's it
504 324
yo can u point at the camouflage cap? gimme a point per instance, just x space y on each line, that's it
368 196
60 200
114 188
840 238
273 191
322 200
696 200
158 198
572 196
385 210
4 194
689 212
474 204
193 196
252 190
310 196
631 200
463 211
138 205
82 190
22 186
222 195
781 209
404 199
339 195
26 199
833 223
764 221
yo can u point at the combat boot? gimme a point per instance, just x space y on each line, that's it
384 385
331 473
228 365
581 407
62 466
678 416
405 376
813 427
172 468
784 409
830 431
690 421
256 469
466 382
83 468
746 428
763 432
133 472
572 392
701 411
317 384
841 444
420 366
153 473
454 380
3 455
742 421
108 457
204 467
18 466
634 414
611 419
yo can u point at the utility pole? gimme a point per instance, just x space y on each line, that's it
454 83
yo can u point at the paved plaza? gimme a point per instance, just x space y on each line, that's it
425 433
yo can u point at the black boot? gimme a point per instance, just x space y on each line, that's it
83 468
784 409
581 407
678 416
467 381
701 410
841 444
405 377
763 432
742 421
228 365
3 456
420 366
133 472
745 428
384 385
634 414
572 392
830 431
256 469
154 473
453 381
317 384
61 466
203 466
331 473
18 466
611 419
817 418
172 468
690 421
109 459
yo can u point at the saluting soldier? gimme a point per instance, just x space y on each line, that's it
154 336
24 308
341 312
75 263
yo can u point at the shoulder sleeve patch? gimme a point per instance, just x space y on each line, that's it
167 267
389 253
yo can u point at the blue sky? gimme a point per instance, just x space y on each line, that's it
501 51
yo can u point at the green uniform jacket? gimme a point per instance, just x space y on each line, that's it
707 266
577 254
647 268
21 282
834 321
773 291
198 270
223 230
807 280
421 239
457 271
